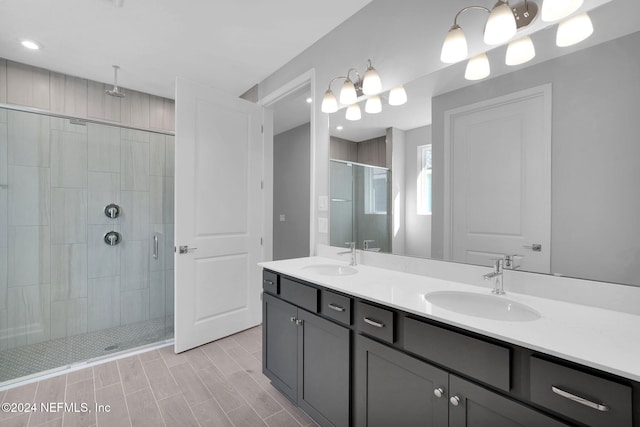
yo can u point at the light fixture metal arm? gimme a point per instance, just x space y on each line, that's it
357 74
455 19
336 78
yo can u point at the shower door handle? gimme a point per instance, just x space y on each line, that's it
155 247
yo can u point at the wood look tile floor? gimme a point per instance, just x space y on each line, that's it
217 384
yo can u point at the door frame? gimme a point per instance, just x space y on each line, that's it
306 78
449 117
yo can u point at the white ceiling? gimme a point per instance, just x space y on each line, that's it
229 44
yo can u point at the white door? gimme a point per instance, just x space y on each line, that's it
500 180
218 214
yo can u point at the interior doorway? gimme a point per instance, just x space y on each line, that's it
292 174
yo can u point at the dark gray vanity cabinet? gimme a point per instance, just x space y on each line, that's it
308 359
280 345
394 389
472 405
347 361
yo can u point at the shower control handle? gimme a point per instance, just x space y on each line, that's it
112 238
112 210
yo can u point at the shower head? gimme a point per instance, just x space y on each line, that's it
116 90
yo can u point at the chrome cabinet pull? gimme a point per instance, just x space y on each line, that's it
455 400
293 319
267 282
373 323
299 322
581 400
438 392
155 247
335 307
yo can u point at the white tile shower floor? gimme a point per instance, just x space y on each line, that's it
34 358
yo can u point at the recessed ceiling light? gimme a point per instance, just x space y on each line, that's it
30 44
339 128
309 100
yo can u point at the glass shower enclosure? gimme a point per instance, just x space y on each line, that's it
86 241
360 205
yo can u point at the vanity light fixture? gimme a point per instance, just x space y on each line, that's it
503 23
574 30
554 10
353 88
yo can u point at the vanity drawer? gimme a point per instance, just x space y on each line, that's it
375 321
301 295
484 361
336 306
270 282
584 397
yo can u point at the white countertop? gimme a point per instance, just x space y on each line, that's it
602 339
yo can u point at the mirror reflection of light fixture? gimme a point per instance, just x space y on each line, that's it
574 30
520 51
554 10
397 96
503 23
353 112
370 85
477 68
373 105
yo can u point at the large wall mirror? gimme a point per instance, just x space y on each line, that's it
541 161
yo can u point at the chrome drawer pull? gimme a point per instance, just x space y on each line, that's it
268 282
373 323
600 407
335 307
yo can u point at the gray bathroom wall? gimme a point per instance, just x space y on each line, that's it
595 152
46 90
291 196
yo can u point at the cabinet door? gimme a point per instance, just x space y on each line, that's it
280 345
323 370
393 389
480 407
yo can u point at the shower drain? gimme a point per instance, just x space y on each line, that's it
111 347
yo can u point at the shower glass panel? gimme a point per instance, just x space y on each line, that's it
86 241
360 205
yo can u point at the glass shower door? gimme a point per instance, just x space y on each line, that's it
86 241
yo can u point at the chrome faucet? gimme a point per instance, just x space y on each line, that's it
351 251
498 268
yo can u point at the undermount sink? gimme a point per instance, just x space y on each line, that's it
492 307
331 269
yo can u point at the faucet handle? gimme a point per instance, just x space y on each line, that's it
365 244
352 245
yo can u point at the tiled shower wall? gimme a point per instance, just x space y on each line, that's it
57 276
